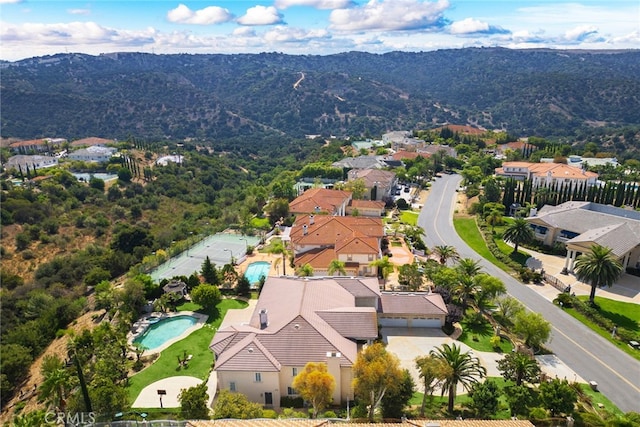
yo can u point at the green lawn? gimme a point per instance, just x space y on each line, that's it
196 344
260 223
613 310
477 337
468 231
409 217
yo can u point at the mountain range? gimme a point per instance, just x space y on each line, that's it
525 92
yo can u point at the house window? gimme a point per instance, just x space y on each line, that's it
291 391
258 377
232 386
349 257
370 257
294 371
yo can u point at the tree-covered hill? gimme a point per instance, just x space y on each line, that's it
527 92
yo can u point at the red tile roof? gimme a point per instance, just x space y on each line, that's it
316 200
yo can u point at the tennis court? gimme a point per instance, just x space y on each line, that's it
220 248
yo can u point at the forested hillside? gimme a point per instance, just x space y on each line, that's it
527 92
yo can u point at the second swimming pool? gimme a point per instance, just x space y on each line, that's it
256 270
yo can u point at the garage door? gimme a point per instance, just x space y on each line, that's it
393 323
425 323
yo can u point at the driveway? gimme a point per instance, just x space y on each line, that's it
408 344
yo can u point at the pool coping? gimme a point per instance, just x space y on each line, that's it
140 327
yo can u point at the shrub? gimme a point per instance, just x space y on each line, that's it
291 402
538 413
495 341
28 254
329 414
269 413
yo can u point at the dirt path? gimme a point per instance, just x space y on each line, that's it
296 84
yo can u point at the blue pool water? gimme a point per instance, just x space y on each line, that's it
164 330
256 270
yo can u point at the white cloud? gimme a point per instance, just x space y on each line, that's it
72 34
580 33
79 11
10 1
390 15
284 34
207 16
317 4
244 32
468 25
261 15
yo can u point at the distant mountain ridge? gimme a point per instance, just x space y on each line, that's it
527 92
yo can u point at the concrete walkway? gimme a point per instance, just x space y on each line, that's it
149 398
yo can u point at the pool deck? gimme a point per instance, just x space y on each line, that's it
140 326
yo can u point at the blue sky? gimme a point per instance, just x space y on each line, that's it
36 28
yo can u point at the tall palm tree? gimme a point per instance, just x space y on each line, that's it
445 253
518 232
465 289
600 267
385 267
337 266
465 369
469 267
56 384
279 247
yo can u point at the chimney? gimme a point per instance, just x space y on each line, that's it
264 321
333 368
305 229
311 219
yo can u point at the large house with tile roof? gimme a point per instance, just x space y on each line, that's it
379 184
580 225
321 201
301 320
355 240
553 175
36 145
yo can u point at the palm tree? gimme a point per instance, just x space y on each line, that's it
469 267
278 247
384 266
304 270
600 267
519 367
518 232
56 384
445 253
494 218
465 289
465 369
337 266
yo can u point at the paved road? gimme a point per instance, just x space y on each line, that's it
589 355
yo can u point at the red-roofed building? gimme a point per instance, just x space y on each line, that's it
321 201
319 239
36 145
547 174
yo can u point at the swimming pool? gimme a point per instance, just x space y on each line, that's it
256 270
164 330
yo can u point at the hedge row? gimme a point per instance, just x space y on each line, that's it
595 316
495 250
